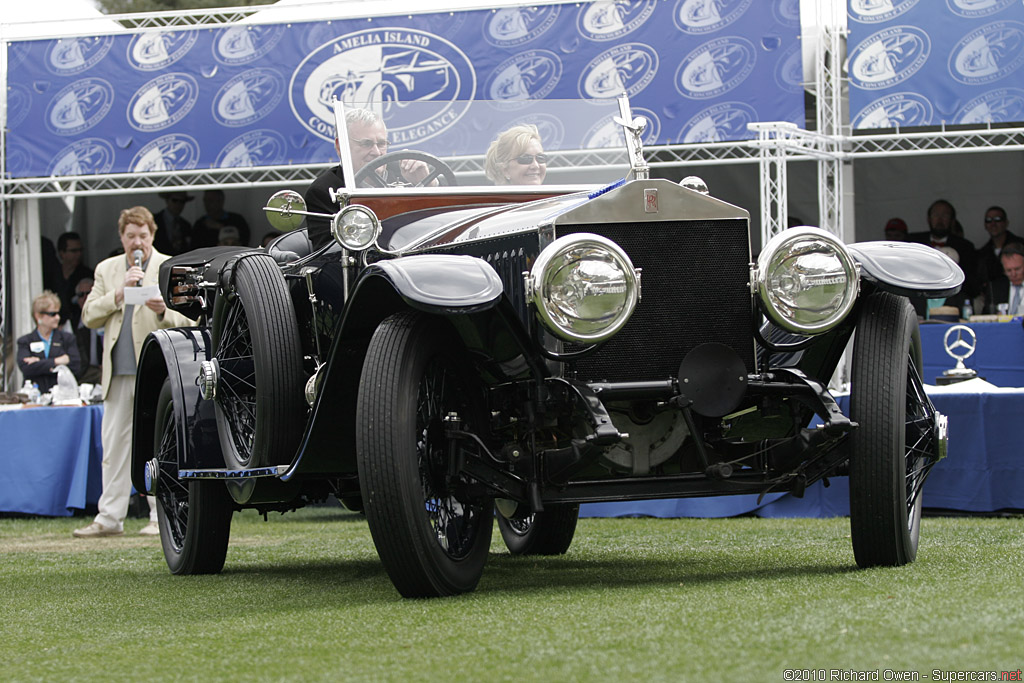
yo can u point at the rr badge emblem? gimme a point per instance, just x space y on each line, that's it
650 201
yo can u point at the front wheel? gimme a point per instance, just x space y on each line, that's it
542 533
896 442
429 522
194 516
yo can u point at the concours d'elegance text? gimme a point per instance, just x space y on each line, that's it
897 675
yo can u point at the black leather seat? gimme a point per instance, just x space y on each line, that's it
290 246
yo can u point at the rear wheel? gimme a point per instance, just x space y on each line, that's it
430 524
895 442
194 516
542 533
259 402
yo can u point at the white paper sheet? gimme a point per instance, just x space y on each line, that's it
138 296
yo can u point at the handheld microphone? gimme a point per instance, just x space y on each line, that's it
137 258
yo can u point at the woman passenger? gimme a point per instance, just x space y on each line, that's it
516 157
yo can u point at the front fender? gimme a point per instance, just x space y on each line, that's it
908 269
441 283
174 354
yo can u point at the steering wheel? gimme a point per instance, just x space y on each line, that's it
367 176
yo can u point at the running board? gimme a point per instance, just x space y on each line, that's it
222 473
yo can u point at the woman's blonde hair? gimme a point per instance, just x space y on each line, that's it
39 304
507 146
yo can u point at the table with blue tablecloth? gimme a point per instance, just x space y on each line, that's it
998 358
984 471
50 459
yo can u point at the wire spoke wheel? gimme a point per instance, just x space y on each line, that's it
194 516
895 444
542 533
259 404
431 531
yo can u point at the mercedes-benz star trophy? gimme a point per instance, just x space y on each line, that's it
960 342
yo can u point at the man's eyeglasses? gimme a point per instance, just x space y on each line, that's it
366 143
994 219
50 313
527 159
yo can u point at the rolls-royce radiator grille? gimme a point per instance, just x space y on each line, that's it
695 286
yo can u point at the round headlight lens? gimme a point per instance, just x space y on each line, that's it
584 287
807 280
355 227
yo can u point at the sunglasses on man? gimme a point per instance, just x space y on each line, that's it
366 143
994 219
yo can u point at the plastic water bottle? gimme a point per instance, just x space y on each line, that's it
968 310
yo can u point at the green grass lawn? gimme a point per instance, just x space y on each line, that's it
303 597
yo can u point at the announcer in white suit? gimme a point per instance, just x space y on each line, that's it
124 330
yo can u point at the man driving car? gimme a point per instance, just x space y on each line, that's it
367 140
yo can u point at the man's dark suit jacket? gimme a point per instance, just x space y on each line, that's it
318 198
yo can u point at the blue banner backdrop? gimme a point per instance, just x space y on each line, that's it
927 62
258 94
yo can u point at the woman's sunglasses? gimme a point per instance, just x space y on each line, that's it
527 159
50 313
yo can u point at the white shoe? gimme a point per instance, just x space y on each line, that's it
151 529
95 530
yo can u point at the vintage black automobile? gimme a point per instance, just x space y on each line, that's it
465 353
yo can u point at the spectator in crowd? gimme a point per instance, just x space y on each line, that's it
42 350
367 139
90 341
516 157
1008 290
72 270
996 226
206 231
228 237
896 230
941 218
174 233
125 327
269 237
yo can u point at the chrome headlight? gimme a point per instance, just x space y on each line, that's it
807 280
355 227
584 287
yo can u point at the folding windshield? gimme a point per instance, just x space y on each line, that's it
438 143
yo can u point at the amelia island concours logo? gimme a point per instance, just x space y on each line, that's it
716 67
248 97
79 106
704 16
19 101
988 53
613 19
889 57
69 56
627 68
174 152
970 9
719 123
512 26
996 106
162 102
874 11
244 44
262 147
899 110
154 50
421 83
90 156
529 75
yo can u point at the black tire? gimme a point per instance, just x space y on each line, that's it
430 543
894 444
542 533
259 404
194 516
